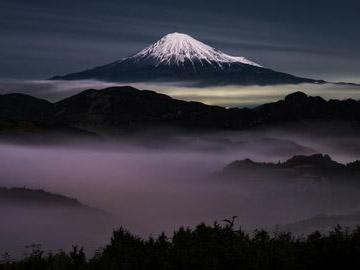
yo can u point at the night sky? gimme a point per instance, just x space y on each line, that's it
318 38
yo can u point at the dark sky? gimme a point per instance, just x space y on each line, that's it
318 38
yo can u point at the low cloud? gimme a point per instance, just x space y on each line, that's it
228 96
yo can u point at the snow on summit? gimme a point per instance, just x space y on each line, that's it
177 48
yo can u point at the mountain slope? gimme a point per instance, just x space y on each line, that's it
127 108
23 107
23 114
178 57
54 221
314 167
323 223
40 197
122 108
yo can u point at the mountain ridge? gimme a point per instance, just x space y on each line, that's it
129 109
313 167
39 197
323 223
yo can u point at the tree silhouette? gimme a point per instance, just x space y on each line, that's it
206 247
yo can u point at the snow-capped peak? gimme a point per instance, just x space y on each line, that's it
176 48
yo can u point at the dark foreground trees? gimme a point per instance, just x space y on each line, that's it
207 247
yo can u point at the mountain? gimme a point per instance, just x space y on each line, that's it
54 221
124 109
323 223
298 107
24 114
30 196
178 57
313 167
20 107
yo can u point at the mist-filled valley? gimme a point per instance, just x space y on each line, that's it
179 135
150 184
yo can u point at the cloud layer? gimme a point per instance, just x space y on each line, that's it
230 96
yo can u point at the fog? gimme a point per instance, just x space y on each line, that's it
158 183
151 187
227 96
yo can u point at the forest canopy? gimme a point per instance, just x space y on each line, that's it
206 247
